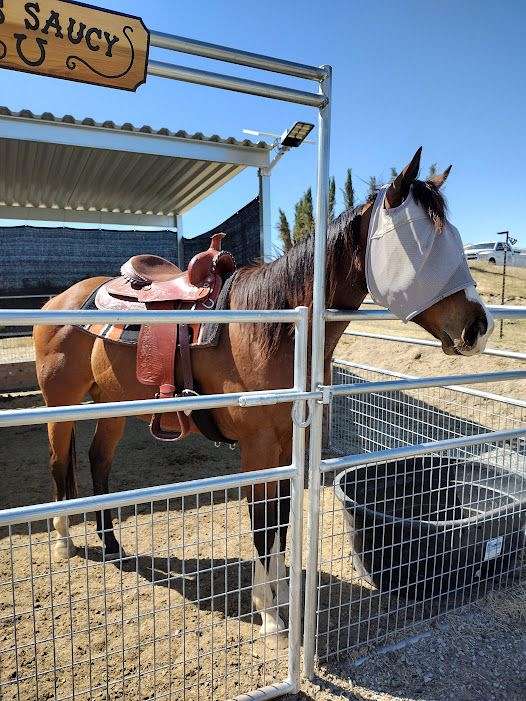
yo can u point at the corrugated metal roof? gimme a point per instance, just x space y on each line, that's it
38 171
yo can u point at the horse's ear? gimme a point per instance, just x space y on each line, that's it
399 188
439 180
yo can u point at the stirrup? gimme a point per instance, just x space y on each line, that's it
158 432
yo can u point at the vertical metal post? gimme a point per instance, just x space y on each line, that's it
296 499
265 226
507 234
317 366
180 247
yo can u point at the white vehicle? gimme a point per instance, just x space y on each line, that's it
491 252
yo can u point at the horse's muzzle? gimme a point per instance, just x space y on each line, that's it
473 338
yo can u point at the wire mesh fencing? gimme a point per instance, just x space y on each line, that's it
381 420
404 540
172 619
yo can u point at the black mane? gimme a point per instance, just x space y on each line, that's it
287 282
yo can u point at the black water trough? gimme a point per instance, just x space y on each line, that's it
423 527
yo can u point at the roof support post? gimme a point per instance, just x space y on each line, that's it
265 214
180 246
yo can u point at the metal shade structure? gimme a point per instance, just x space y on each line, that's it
82 171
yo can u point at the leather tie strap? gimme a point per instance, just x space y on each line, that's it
186 361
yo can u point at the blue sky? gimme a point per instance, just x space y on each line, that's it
447 75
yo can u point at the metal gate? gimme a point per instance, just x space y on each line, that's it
174 619
410 534
424 512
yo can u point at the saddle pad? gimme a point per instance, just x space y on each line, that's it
128 334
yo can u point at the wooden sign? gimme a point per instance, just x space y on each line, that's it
74 41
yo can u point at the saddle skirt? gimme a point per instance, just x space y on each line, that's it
151 282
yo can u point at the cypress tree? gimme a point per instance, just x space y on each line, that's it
284 231
348 191
332 198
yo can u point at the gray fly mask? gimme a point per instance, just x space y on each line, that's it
409 266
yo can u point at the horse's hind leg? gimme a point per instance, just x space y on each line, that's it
64 375
107 436
62 466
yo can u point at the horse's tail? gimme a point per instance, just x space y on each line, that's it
71 482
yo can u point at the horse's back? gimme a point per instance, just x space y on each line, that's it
75 296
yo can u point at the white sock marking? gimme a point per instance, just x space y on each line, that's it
263 598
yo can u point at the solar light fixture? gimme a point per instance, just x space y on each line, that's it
296 135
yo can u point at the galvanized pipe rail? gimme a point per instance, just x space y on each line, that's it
142 407
317 374
411 451
228 82
241 58
330 391
135 497
244 58
33 317
513 355
456 388
498 311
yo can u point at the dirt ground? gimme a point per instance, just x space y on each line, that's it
124 631
472 655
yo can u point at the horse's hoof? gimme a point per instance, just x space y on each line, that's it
63 550
274 631
117 555
280 641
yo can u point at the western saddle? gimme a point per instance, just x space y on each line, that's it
152 282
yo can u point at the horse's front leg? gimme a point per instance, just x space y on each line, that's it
107 436
278 571
269 587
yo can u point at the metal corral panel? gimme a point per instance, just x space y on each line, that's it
62 163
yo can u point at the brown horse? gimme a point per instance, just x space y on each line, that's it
72 364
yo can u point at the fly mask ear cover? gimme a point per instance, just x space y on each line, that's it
409 265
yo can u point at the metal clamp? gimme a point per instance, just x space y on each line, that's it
296 414
326 393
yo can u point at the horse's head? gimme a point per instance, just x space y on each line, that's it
415 263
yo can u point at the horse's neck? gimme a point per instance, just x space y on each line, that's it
350 290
